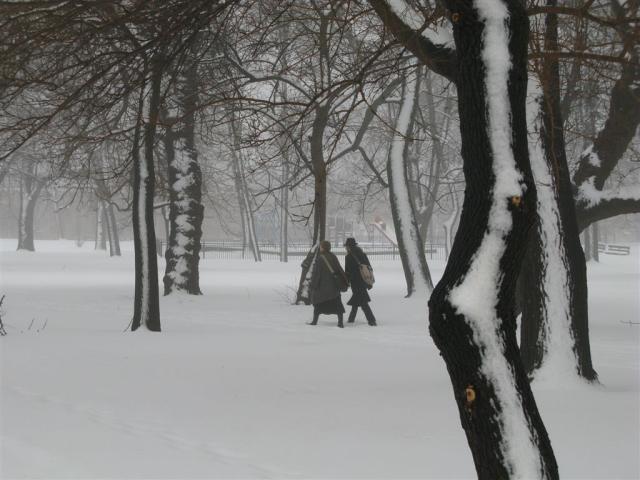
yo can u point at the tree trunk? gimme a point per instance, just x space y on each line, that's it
595 240
101 227
112 230
30 189
319 200
587 244
410 243
449 223
546 291
186 212
146 309
244 197
472 318
437 163
284 212
555 328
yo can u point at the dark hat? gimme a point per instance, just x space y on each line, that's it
350 242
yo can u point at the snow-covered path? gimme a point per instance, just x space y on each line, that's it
238 386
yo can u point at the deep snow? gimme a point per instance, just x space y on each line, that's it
238 386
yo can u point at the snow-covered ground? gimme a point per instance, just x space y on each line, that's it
238 386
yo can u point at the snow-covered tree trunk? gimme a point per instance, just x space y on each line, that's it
547 346
186 212
555 326
146 307
472 309
410 243
249 233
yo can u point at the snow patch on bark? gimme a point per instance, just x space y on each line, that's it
476 297
183 241
559 360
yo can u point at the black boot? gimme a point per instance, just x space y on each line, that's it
352 314
371 320
315 319
340 324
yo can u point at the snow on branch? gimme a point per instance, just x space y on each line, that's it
591 196
433 47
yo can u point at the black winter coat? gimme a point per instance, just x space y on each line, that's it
352 268
323 284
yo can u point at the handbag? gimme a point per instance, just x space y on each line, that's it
366 272
341 280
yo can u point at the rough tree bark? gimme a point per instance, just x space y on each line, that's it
184 177
555 327
549 300
403 212
146 307
472 309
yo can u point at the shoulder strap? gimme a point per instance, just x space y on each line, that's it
356 258
327 263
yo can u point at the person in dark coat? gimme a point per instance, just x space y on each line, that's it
360 298
325 285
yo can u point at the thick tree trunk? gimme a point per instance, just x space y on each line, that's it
555 328
472 318
146 309
547 291
410 243
186 212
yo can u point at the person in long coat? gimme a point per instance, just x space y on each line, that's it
360 298
325 285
